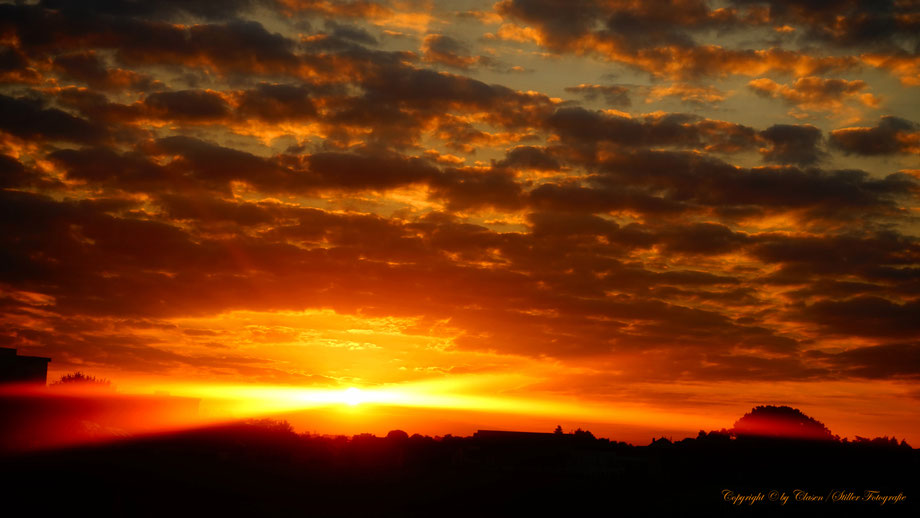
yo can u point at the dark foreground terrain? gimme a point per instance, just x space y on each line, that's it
264 469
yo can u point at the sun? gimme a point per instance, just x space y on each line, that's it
352 396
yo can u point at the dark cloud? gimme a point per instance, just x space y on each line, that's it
578 126
846 254
470 189
703 239
212 211
659 37
530 157
96 106
663 183
163 9
613 95
444 50
351 33
694 180
216 166
756 367
14 174
891 135
399 102
188 105
847 22
351 171
203 277
865 316
11 59
234 46
631 25
602 199
267 102
242 46
16 68
661 22
278 102
156 269
429 90
129 171
896 360
89 68
29 118
567 224
448 51
558 20
792 144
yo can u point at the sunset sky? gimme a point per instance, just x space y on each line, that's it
637 216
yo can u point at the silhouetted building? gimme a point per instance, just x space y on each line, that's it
22 369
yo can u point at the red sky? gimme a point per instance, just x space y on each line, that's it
643 217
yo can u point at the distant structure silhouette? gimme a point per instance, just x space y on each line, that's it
15 368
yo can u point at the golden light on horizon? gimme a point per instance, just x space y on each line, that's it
457 395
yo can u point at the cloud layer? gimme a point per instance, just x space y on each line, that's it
166 166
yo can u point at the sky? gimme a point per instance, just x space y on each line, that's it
641 216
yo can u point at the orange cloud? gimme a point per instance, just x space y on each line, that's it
656 37
687 93
903 66
351 9
816 93
691 62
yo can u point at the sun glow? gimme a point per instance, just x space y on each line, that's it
468 394
353 396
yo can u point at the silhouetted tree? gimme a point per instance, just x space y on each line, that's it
584 435
558 430
781 421
397 435
78 378
271 425
881 442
